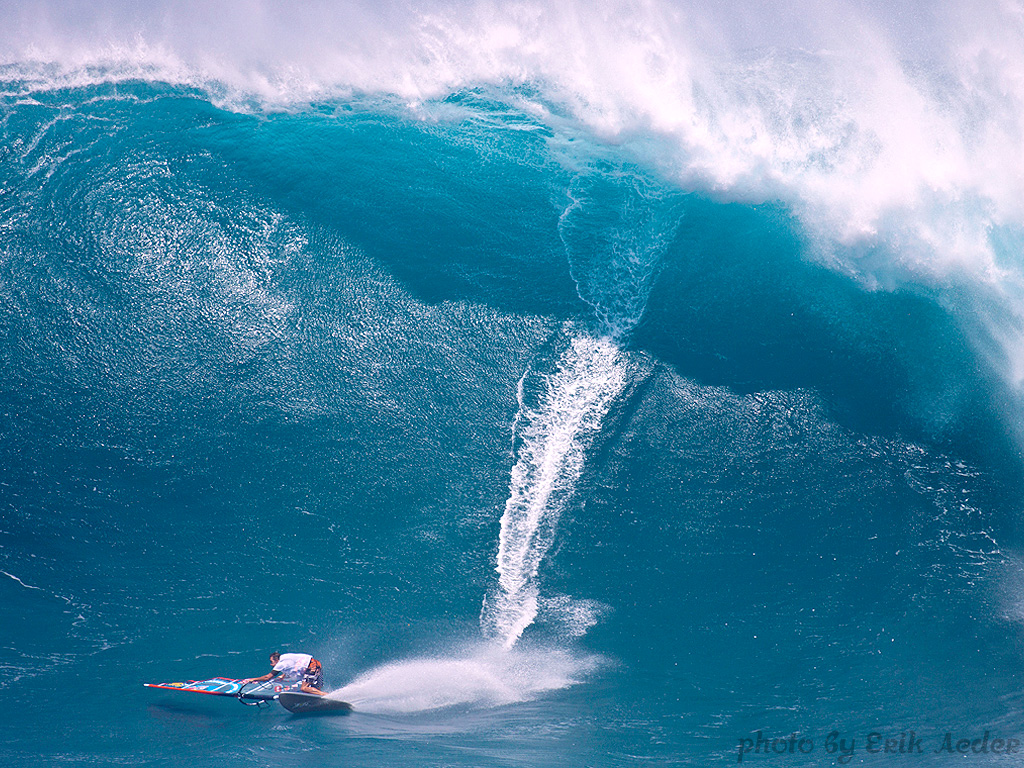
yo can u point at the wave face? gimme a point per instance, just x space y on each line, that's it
683 340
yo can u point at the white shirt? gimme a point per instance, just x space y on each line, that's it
293 666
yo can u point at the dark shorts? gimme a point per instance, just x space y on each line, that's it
314 675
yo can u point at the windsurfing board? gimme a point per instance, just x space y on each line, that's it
310 703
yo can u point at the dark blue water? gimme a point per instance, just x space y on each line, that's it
553 451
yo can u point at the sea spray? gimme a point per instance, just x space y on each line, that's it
476 676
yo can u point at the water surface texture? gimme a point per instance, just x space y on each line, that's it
584 384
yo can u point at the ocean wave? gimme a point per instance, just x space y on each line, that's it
892 132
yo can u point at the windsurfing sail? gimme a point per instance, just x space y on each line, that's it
254 694
223 686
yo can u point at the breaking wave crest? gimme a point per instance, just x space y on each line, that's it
891 130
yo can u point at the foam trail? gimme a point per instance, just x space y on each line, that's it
553 436
615 229
12 576
483 676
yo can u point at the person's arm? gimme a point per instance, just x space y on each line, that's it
271 674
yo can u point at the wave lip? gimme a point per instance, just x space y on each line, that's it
889 132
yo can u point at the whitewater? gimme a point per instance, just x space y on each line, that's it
582 384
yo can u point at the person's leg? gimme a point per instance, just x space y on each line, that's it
313 680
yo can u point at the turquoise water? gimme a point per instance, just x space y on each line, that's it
571 414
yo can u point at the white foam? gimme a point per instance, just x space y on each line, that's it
553 439
12 576
476 677
573 616
615 230
878 122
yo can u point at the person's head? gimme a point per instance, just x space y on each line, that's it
275 657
